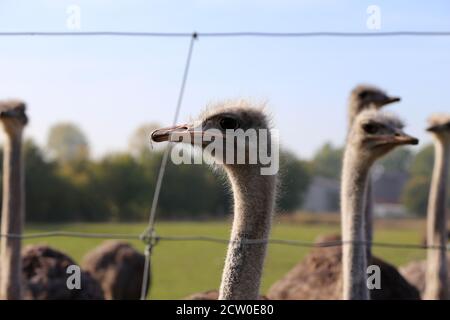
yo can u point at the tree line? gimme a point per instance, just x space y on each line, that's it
65 183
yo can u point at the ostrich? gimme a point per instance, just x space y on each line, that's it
319 277
431 276
40 273
118 267
364 97
44 271
254 193
436 283
372 135
340 272
13 119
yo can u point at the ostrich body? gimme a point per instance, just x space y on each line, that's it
44 271
415 272
365 97
436 283
254 197
118 267
319 277
373 134
13 119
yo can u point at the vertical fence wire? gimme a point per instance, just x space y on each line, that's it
149 234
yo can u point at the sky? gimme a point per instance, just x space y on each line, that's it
110 86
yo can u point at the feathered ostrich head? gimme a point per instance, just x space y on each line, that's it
375 133
439 126
365 97
233 123
12 116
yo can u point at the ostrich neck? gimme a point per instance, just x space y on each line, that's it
355 174
368 208
254 196
436 276
12 219
368 217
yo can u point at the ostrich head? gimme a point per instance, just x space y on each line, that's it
364 97
229 125
375 133
12 116
439 126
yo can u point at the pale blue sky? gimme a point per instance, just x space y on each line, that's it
109 86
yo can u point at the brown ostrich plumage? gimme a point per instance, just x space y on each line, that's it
414 272
318 277
44 273
118 267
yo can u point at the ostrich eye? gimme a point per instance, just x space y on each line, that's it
228 123
363 94
371 128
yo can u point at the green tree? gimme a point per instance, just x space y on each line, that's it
423 162
119 181
327 161
415 194
193 191
398 160
66 142
294 181
49 197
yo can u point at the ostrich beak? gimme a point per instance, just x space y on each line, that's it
390 100
405 139
397 139
164 134
402 138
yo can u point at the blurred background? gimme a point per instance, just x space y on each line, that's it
92 102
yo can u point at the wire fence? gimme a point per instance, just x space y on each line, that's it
149 236
230 34
155 239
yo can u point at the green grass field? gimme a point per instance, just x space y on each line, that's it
181 268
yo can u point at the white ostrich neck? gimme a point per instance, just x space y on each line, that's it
436 279
12 218
253 207
354 179
438 193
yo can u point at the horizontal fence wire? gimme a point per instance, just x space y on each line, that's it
228 34
188 238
